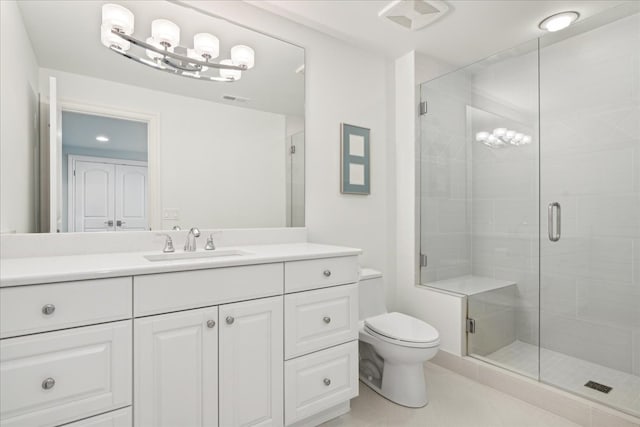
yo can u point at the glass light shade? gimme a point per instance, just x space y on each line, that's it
109 39
229 74
116 16
191 53
499 131
482 136
518 137
243 55
509 134
206 44
165 31
526 139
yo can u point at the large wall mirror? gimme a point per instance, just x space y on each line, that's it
95 141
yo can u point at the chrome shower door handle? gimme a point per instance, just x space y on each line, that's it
554 218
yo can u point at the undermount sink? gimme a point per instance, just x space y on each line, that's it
174 256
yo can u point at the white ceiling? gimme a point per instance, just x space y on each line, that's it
66 36
80 130
471 30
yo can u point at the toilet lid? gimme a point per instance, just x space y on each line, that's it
401 327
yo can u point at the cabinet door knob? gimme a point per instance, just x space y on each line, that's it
327 381
48 309
327 319
48 384
327 273
230 320
211 323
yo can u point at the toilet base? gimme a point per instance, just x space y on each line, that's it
402 384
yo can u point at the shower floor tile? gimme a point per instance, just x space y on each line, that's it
571 373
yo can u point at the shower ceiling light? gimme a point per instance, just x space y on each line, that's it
502 137
164 52
559 21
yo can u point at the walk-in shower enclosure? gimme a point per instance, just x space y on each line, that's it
530 205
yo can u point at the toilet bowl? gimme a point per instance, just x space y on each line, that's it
393 347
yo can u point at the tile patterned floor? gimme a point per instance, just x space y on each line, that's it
455 401
571 374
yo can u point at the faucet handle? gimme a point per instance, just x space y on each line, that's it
210 245
168 243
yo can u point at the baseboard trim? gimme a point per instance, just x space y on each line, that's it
577 409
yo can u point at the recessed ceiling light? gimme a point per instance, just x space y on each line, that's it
559 21
102 138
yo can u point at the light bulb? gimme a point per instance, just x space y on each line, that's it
206 44
116 16
499 132
518 137
509 134
227 73
111 40
164 31
243 55
526 139
482 136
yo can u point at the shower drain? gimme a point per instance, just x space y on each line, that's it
597 386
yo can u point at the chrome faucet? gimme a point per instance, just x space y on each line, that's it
168 243
190 244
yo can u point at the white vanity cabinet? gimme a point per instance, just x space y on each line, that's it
251 363
264 344
176 369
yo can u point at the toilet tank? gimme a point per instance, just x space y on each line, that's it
371 293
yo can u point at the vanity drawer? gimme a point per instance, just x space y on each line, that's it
319 381
162 293
320 273
57 377
119 418
318 319
23 309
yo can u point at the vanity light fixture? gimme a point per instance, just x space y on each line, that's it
102 138
502 137
164 52
558 21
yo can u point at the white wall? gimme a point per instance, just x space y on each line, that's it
215 169
343 84
19 125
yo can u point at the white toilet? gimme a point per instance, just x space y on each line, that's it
393 346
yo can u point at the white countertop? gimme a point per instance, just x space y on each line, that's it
35 270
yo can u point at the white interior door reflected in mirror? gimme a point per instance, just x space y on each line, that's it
106 195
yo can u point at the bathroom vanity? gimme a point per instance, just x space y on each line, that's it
266 335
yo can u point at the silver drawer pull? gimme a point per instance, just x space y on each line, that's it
48 384
327 273
48 309
230 320
327 381
211 323
327 319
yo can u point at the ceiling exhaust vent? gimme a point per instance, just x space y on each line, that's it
235 98
414 15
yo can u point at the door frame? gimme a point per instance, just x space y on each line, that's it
71 180
154 200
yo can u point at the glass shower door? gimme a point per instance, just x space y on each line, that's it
590 212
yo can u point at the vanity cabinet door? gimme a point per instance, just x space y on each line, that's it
251 363
176 369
